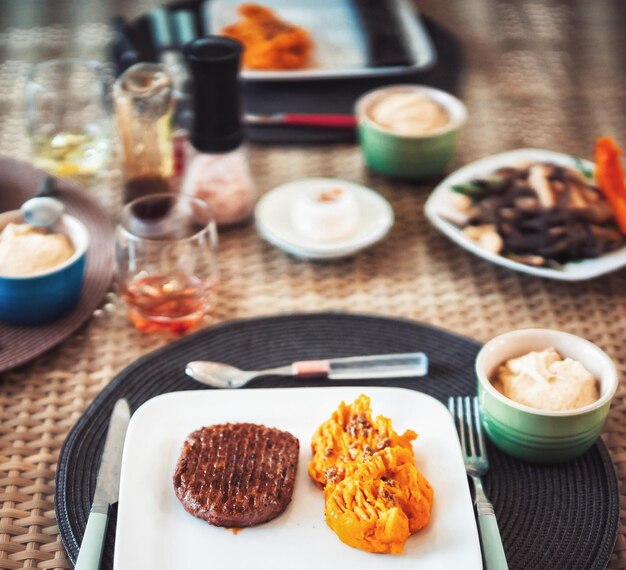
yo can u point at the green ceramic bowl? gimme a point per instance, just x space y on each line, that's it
535 435
408 156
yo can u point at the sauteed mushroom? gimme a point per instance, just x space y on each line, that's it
540 214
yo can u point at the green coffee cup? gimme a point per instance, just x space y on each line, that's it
408 156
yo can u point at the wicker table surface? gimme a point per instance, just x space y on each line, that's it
541 73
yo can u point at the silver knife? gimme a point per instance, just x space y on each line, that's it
107 489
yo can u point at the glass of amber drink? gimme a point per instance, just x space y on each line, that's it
167 270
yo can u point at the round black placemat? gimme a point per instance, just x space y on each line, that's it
563 516
340 95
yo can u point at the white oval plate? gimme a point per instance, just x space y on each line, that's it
273 220
439 209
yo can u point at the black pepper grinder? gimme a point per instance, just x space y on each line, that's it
217 168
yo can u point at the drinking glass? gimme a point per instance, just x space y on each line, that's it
68 118
167 270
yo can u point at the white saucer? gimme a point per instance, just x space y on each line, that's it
273 220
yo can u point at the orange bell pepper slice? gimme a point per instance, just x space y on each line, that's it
611 179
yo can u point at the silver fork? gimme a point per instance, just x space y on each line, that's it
467 420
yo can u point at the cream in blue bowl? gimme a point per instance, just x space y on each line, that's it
43 281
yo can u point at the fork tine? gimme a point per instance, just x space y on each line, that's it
479 430
461 416
470 420
452 410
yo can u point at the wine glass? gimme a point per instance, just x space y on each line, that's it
68 118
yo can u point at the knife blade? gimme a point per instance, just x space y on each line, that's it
107 489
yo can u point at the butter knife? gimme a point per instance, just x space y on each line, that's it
107 489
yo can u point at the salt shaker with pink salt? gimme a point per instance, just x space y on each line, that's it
217 168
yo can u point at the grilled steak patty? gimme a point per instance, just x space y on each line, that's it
236 475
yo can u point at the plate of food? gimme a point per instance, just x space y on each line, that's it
183 500
536 211
295 40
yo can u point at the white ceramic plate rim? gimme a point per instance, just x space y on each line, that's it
305 248
439 204
418 40
299 252
158 428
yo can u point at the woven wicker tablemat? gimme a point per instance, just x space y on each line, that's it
541 73
539 508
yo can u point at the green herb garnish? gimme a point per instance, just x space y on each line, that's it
469 188
580 166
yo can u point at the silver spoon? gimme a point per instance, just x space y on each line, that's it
407 365
43 211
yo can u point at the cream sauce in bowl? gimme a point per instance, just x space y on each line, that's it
409 113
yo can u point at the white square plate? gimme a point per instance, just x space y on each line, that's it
155 532
439 209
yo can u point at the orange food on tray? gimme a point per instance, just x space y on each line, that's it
269 42
375 497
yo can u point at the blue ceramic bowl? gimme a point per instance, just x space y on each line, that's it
50 294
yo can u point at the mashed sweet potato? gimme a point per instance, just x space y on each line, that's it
350 436
269 42
375 497
383 502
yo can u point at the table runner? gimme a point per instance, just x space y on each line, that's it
542 73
